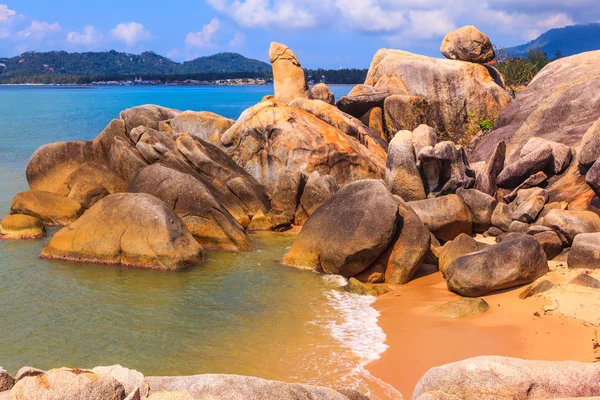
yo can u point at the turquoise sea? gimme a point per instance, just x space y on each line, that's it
241 313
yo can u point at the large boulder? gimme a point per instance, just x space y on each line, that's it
590 146
18 226
345 236
468 44
374 120
203 125
50 208
288 189
321 92
494 378
288 75
585 251
234 387
508 264
470 91
206 219
445 168
130 229
271 135
402 176
570 223
68 384
516 173
561 153
446 217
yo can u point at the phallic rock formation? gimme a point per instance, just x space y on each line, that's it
130 229
288 75
468 44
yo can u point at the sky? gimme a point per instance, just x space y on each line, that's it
323 33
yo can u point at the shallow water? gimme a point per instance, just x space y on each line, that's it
241 313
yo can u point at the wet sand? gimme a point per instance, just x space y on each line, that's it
419 340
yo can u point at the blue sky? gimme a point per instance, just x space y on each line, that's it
323 33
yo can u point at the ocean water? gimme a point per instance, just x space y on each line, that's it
241 313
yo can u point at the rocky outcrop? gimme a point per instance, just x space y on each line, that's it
130 229
321 92
203 125
469 88
288 75
446 217
561 104
271 135
491 377
585 251
50 208
508 264
91 182
402 176
445 168
241 387
516 173
468 44
205 218
344 236
68 384
561 153
18 226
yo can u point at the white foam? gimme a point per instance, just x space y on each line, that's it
355 327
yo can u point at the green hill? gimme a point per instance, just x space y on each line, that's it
113 63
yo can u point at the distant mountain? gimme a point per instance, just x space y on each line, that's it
568 41
114 63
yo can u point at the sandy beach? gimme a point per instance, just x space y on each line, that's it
419 340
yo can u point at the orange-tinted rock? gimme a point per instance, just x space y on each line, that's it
18 226
50 208
288 75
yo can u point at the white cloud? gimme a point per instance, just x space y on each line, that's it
6 13
205 37
406 19
39 29
131 33
89 37
283 14
237 41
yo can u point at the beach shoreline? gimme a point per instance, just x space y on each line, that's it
419 340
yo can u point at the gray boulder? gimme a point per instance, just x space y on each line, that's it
528 204
592 177
501 217
550 242
321 92
561 153
508 264
318 189
590 145
288 189
486 181
463 244
468 44
344 236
